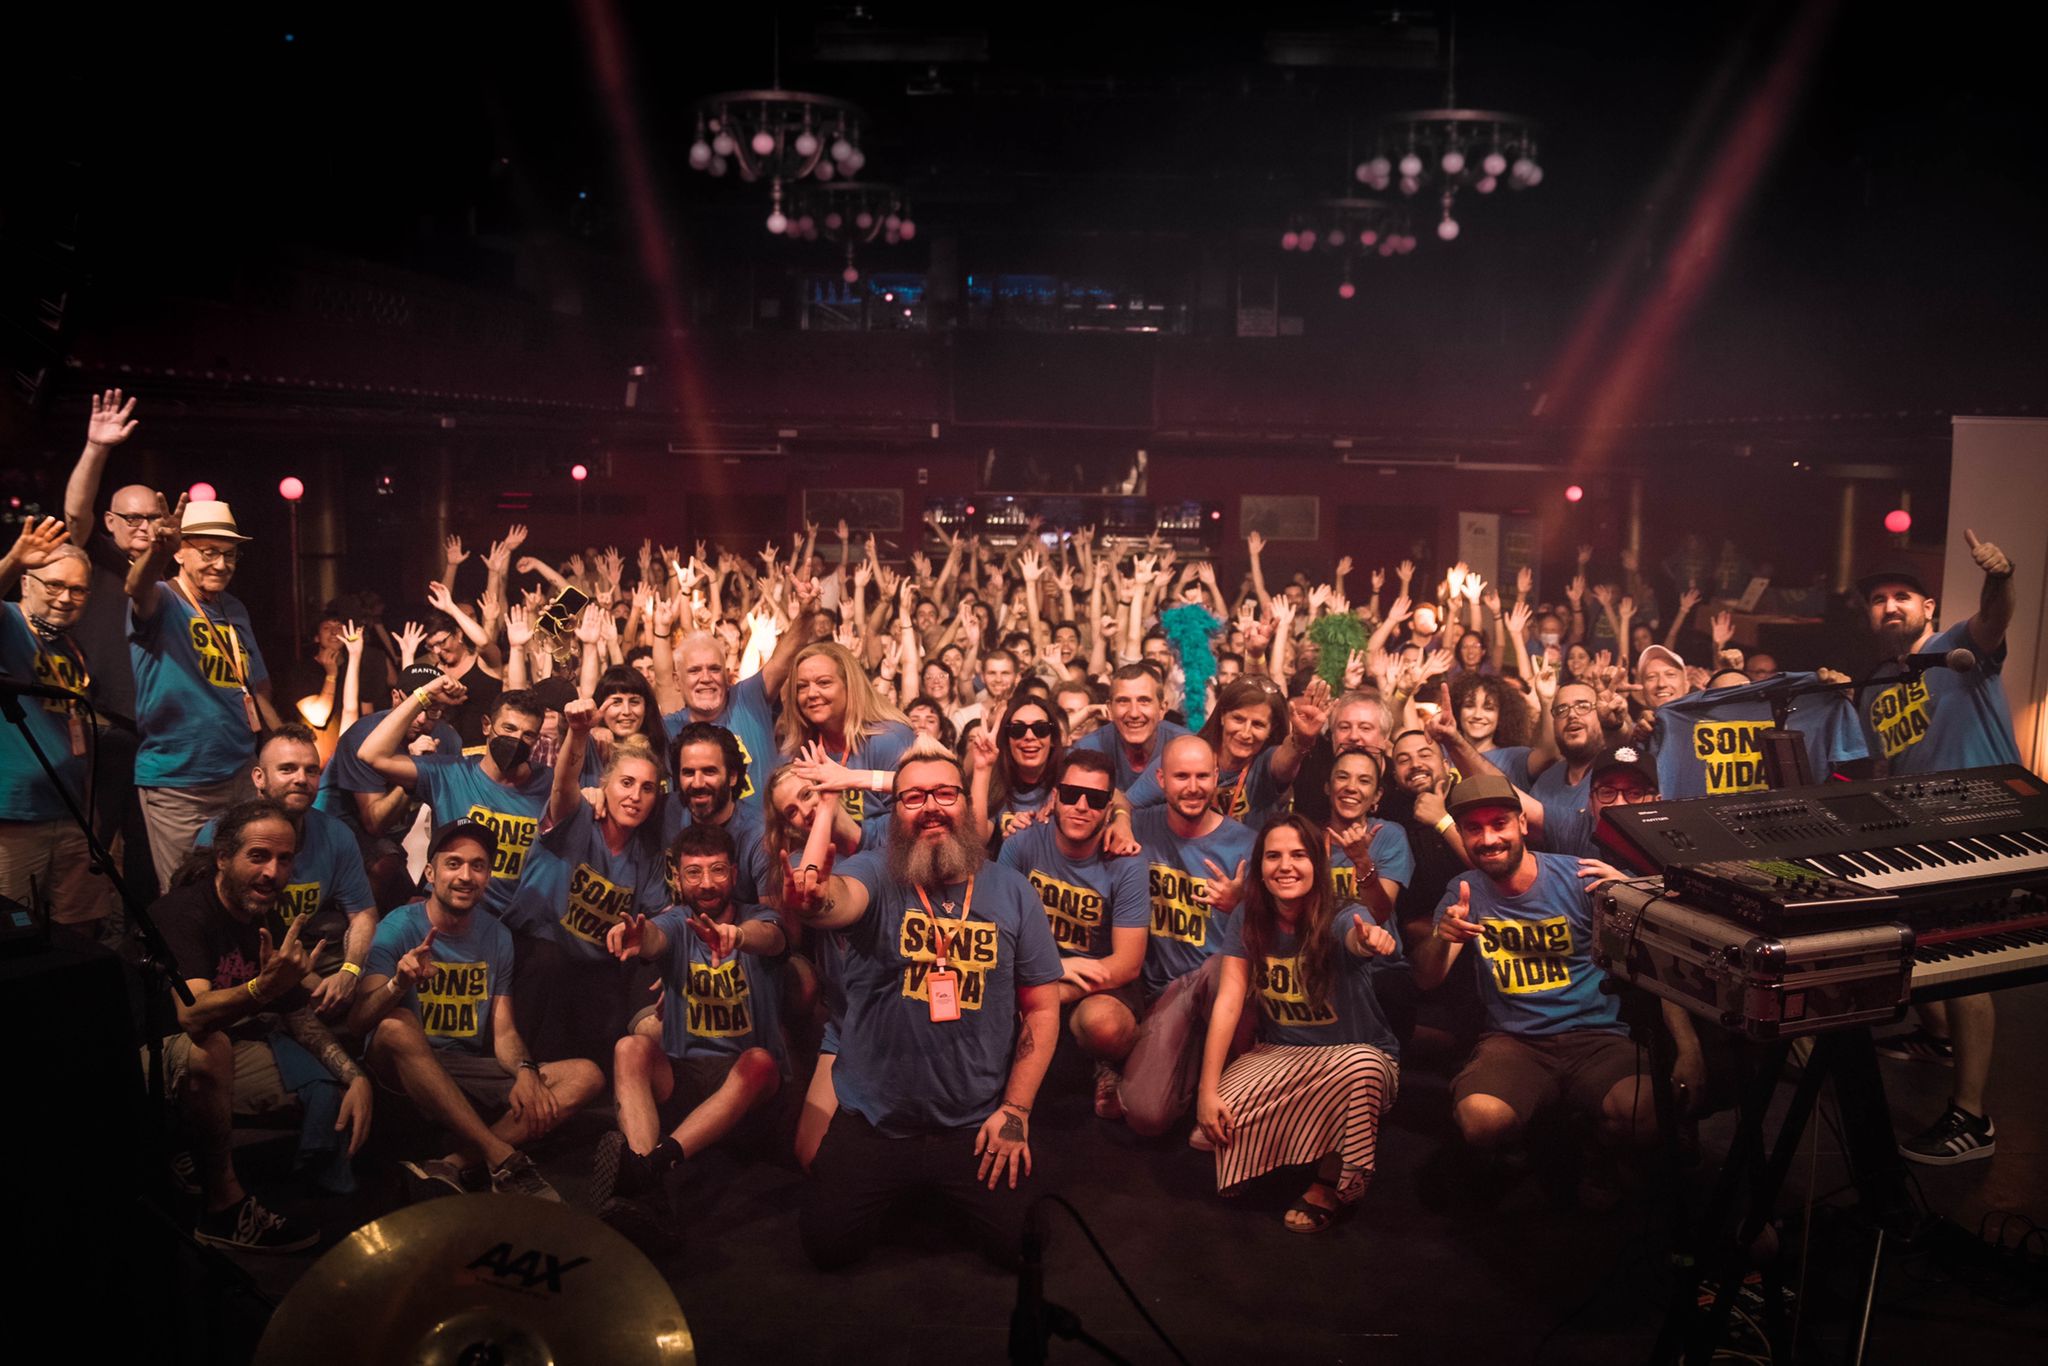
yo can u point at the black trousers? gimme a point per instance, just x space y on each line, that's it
860 1176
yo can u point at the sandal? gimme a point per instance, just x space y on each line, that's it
1318 1217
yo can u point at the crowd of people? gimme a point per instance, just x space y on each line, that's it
807 848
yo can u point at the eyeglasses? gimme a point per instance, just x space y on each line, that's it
1631 795
209 554
1073 794
136 519
1565 710
1037 730
913 799
60 590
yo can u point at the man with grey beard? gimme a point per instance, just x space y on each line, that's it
952 1010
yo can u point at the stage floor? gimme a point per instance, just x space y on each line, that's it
1419 1274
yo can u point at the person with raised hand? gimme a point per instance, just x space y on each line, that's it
436 1012
1326 1062
720 1055
840 734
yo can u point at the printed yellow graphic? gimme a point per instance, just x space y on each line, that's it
59 671
855 802
715 1001
1900 716
1178 911
1733 753
300 898
1528 956
452 1000
973 948
746 767
214 663
1345 878
515 836
1286 1003
1013 821
1232 801
595 904
1075 913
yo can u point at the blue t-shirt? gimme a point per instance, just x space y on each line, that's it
327 871
1183 936
1568 817
751 719
882 750
719 1011
455 785
1351 1015
1018 810
25 791
1942 720
1391 854
1534 952
471 969
574 888
1084 901
346 773
1247 795
1107 741
188 689
1709 743
746 825
899 1069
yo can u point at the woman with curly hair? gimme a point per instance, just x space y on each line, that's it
1325 1065
1490 713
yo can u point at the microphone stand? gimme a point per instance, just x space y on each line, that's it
1036 1320
1784 752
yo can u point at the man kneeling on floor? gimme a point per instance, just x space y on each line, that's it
453 1045
720 1057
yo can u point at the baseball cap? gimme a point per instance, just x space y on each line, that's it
416 676
1893 574
1628 757
464 828
1664 652
1481 789
555 691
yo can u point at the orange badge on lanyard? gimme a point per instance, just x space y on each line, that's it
942 984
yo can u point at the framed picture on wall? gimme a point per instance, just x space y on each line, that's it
861 509
1281 516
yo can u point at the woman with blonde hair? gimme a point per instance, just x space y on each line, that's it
840 734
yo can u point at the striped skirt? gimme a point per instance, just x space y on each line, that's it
1292 1105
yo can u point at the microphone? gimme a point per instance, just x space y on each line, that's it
1028 1335
1961 660
11 687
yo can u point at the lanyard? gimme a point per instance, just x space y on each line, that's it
229 645
1226 797
945 941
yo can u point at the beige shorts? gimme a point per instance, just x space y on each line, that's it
258 1087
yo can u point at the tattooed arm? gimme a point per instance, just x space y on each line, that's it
316 1038
1004 1143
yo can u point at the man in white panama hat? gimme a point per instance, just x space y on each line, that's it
202 693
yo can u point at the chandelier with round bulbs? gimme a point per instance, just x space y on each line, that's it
781 136
1444 151
853 212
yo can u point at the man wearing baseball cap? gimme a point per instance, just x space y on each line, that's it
1662 675
202 693
436 1012
377 810
1931 722
1552 1035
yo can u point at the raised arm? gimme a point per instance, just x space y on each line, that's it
577 718
384 747
1995 600
148 569
110 425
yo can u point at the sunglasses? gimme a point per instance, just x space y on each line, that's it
1037 730
1073 794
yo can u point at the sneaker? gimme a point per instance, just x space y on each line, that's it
517 1175
617 1170
646 1222
1109 1103
1918 1045
184 1170
248 1227
433 1178
1955 1137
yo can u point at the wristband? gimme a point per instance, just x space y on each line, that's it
1444 823
352 969
880 781
530 1065
1013 1105
253 995
659 636
420 697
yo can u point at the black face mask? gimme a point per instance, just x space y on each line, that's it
510 753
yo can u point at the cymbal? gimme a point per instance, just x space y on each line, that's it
481 1280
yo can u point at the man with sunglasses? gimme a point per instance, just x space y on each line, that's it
1097 908
202 692
952 1012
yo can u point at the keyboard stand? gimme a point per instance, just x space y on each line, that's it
1753 1174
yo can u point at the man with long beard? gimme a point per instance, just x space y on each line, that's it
952 1010
1943 719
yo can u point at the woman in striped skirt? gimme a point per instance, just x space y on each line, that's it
1325 1066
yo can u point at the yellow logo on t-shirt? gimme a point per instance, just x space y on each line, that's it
1344 877
746 767
300 898
595 904
715 1001
214 665
452 1000
1286 1003
1528 956
1232 801
55 670
1900 717
1075 913
973 948
854 802
1733 754
1178 911
515 836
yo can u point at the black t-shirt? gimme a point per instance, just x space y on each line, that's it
1435 865
468 719
102 630
209 943
1311 785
